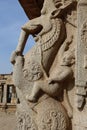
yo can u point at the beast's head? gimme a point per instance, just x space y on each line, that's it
42 24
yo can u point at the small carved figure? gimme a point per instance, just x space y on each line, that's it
53 84
64 70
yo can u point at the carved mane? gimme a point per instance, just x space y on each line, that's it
33 8
51 37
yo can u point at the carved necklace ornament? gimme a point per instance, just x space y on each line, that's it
48 40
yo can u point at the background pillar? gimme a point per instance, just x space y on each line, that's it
5 94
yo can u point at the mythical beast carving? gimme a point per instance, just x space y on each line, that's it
41 75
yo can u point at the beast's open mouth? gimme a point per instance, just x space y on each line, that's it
36 32
33 29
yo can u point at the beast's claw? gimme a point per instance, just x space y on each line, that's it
31 98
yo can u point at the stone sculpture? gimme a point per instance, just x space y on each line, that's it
47 77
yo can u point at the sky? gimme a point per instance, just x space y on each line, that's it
12 17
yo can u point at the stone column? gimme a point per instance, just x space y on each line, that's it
0 93
81 52
80 111
5 94
13 97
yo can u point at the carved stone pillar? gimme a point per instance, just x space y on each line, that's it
81 51
80 111
13 97
0 93
5 94
51 79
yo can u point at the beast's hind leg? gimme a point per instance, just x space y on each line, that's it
34 93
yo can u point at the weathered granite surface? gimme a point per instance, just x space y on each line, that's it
51 79
7 121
